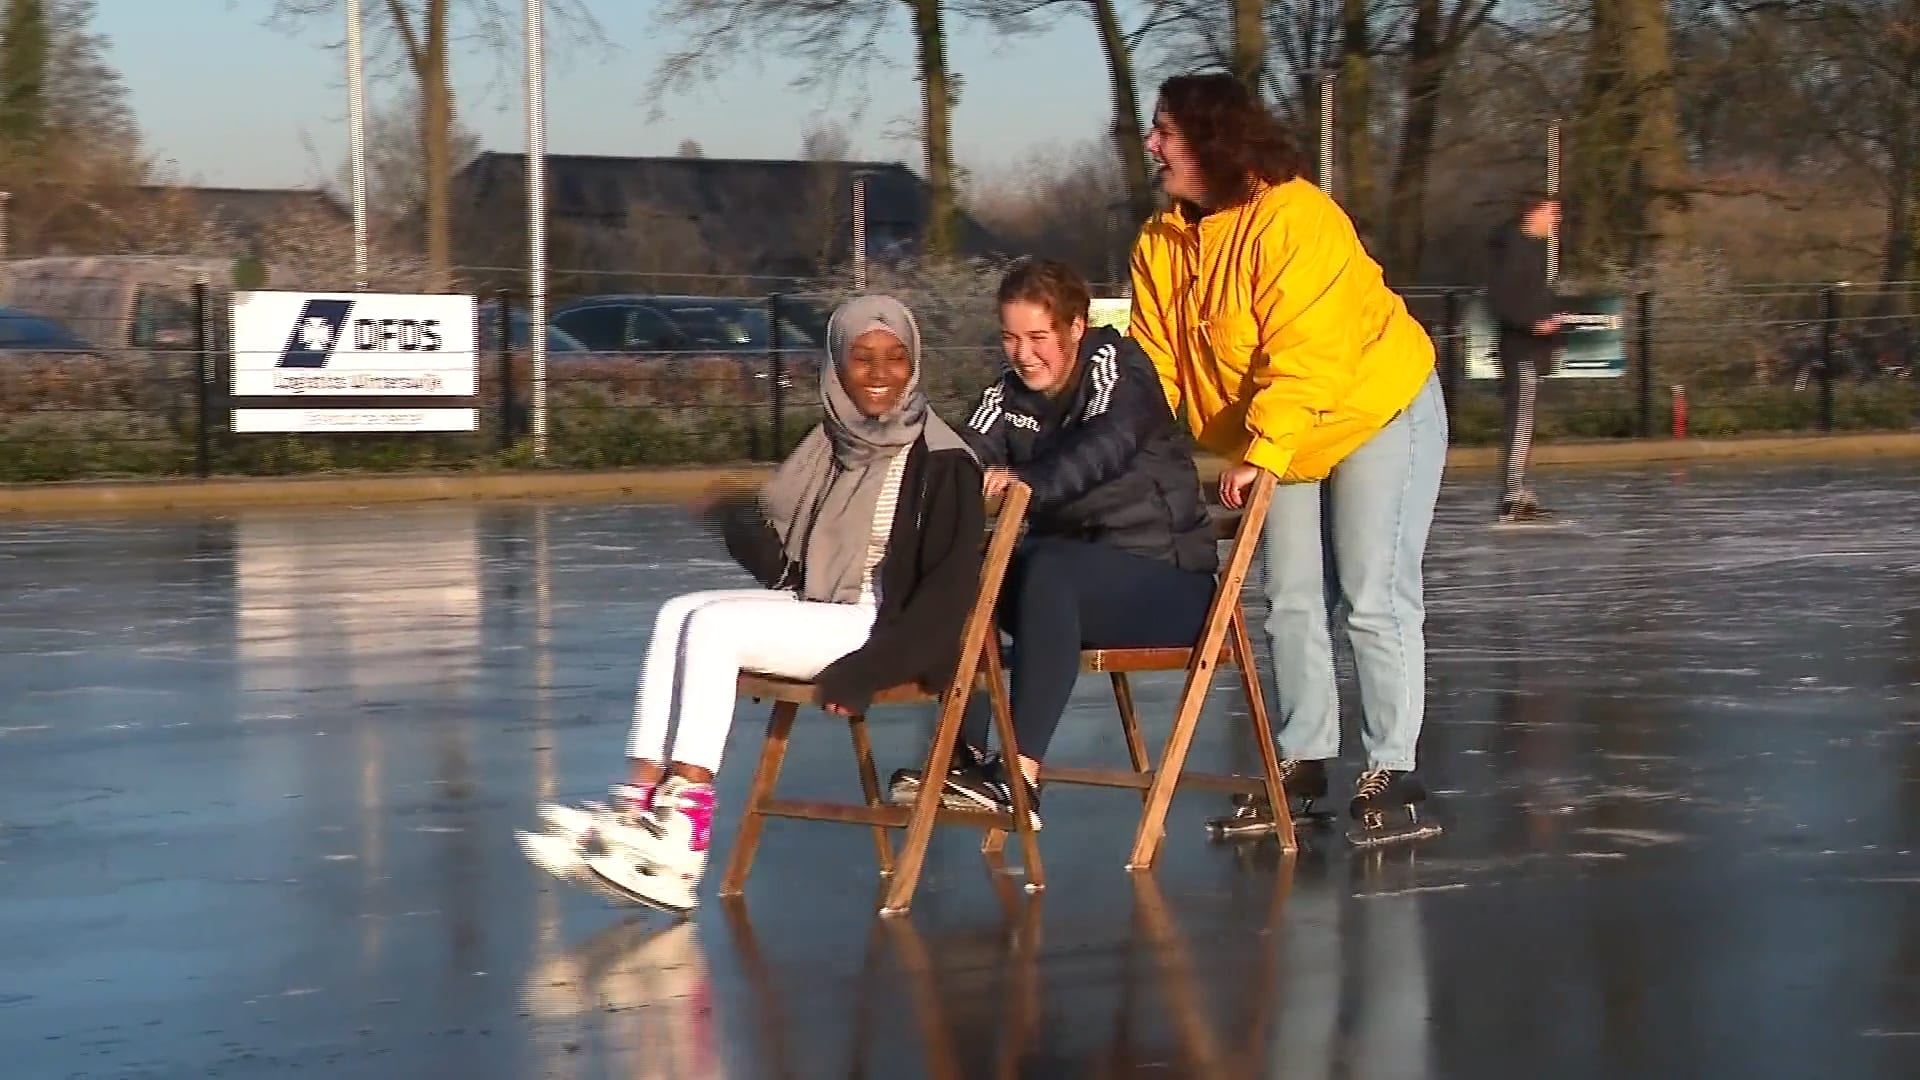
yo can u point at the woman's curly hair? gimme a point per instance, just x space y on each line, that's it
1234 138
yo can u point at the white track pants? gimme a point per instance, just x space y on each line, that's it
702 641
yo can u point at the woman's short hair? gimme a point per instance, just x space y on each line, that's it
1235 139
1060 290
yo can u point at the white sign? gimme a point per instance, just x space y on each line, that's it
287 421
324 354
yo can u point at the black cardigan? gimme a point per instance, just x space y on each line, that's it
928 579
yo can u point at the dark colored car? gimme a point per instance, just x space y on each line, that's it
688 325
558 340
623 324
22 331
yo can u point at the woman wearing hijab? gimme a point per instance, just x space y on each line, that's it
1275 333
866 542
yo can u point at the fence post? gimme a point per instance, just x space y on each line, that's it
1643 347
203 381
1829 321
1450 354
504 316
779 369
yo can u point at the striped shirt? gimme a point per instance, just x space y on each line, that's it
883 512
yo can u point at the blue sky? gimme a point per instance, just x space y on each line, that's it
227 100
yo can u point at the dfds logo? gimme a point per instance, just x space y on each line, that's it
315 333
406 335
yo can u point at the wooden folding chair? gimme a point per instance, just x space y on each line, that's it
1223 640
977 660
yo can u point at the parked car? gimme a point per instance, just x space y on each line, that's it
688 327
23 331
622 324
558 340
739 325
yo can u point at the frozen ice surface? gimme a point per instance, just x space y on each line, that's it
259 776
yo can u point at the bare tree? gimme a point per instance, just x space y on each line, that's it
826 142
419 36
828 34
1857 63
396 168
1249 42
1629 172
689 148
1118 45
1436 35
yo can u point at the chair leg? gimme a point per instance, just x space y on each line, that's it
913 849
1193 698
1130 725
1010 750
870 787
993 844
1262 730
767 774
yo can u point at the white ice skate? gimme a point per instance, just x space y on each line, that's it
573 832
557 855
576 820
660 864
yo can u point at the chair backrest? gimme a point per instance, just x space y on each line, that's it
993 574
1245 539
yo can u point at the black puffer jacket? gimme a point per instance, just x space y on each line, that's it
1105 460
1519 296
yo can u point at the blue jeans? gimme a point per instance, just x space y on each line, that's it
1358 536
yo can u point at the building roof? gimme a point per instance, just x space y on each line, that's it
777 210
247 211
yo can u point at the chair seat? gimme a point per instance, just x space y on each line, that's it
764 687
1175 659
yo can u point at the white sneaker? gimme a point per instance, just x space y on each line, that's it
659 861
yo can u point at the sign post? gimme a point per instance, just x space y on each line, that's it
306 362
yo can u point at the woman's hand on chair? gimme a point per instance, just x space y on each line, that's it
1234 484
997 479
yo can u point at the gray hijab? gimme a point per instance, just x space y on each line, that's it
822 498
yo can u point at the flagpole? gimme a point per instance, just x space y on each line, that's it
537 221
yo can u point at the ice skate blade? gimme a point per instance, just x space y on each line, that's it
603 885
1530 526
1373 838
1247 827
1237 828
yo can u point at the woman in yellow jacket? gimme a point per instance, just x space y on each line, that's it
1275 334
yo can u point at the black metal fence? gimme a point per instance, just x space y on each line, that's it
1746 361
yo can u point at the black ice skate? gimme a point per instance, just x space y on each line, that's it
1526 511
1527 514
1385 809
1252 817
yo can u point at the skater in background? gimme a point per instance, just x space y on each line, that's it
1521 300
1119 551
866 543
1277 334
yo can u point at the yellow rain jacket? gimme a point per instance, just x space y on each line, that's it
1274 330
